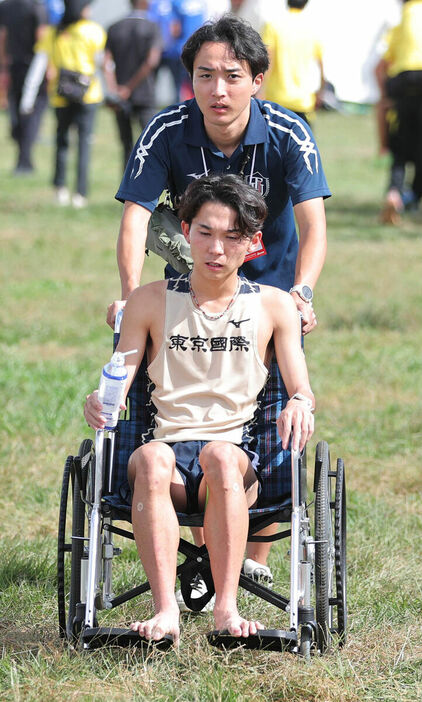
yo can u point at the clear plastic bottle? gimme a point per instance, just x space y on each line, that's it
112 387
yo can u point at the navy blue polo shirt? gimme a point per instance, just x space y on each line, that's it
283 164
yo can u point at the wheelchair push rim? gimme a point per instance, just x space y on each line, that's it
330 549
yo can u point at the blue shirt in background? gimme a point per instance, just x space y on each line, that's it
161 12
191 15
55 9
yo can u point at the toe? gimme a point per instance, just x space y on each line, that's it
244 629
252 628
157 633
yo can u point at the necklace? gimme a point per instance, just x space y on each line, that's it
213 317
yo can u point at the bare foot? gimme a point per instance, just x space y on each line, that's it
235 624
156 628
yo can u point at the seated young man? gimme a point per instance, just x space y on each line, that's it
209 337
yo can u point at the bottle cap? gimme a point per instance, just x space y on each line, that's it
118 357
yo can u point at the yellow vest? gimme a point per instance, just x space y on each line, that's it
404 52
294 49
76 49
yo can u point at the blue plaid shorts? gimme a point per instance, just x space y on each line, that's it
273 467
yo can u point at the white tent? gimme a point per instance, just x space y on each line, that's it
352 34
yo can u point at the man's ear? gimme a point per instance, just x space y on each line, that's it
255 241
257 83
185 230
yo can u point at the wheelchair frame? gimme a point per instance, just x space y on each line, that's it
317 602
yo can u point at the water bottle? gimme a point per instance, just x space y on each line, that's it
112 387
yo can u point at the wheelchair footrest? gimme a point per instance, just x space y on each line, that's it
106 636
264 639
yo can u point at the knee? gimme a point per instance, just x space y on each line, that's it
219 463
151 466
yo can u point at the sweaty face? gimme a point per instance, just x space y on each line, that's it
223 86
217 246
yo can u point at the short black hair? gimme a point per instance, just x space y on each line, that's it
230 190
244 41
297 4
72 13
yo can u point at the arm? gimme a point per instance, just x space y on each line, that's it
33 80
135 330
382 106
310 217
124 91
130 252
151 62
321 82
109 72
319 59
297 415
380 75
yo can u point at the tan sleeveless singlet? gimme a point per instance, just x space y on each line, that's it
207 373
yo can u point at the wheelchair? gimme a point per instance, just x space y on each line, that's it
95 495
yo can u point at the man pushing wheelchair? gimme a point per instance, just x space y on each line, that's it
209 337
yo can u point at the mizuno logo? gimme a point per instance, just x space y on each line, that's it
196 175
237 324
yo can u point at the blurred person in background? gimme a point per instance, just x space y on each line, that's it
55 9
295 60
72 52
189 15
257 12
399 75
178 19
21 24
132 53
162 12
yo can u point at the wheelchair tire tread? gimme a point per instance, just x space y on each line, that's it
61 547
322 535
340 533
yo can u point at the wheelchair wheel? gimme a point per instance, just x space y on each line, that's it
340 551
324 547
71 541
62 546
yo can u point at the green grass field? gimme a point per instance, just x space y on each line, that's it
58 273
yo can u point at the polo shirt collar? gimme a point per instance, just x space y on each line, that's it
195 134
